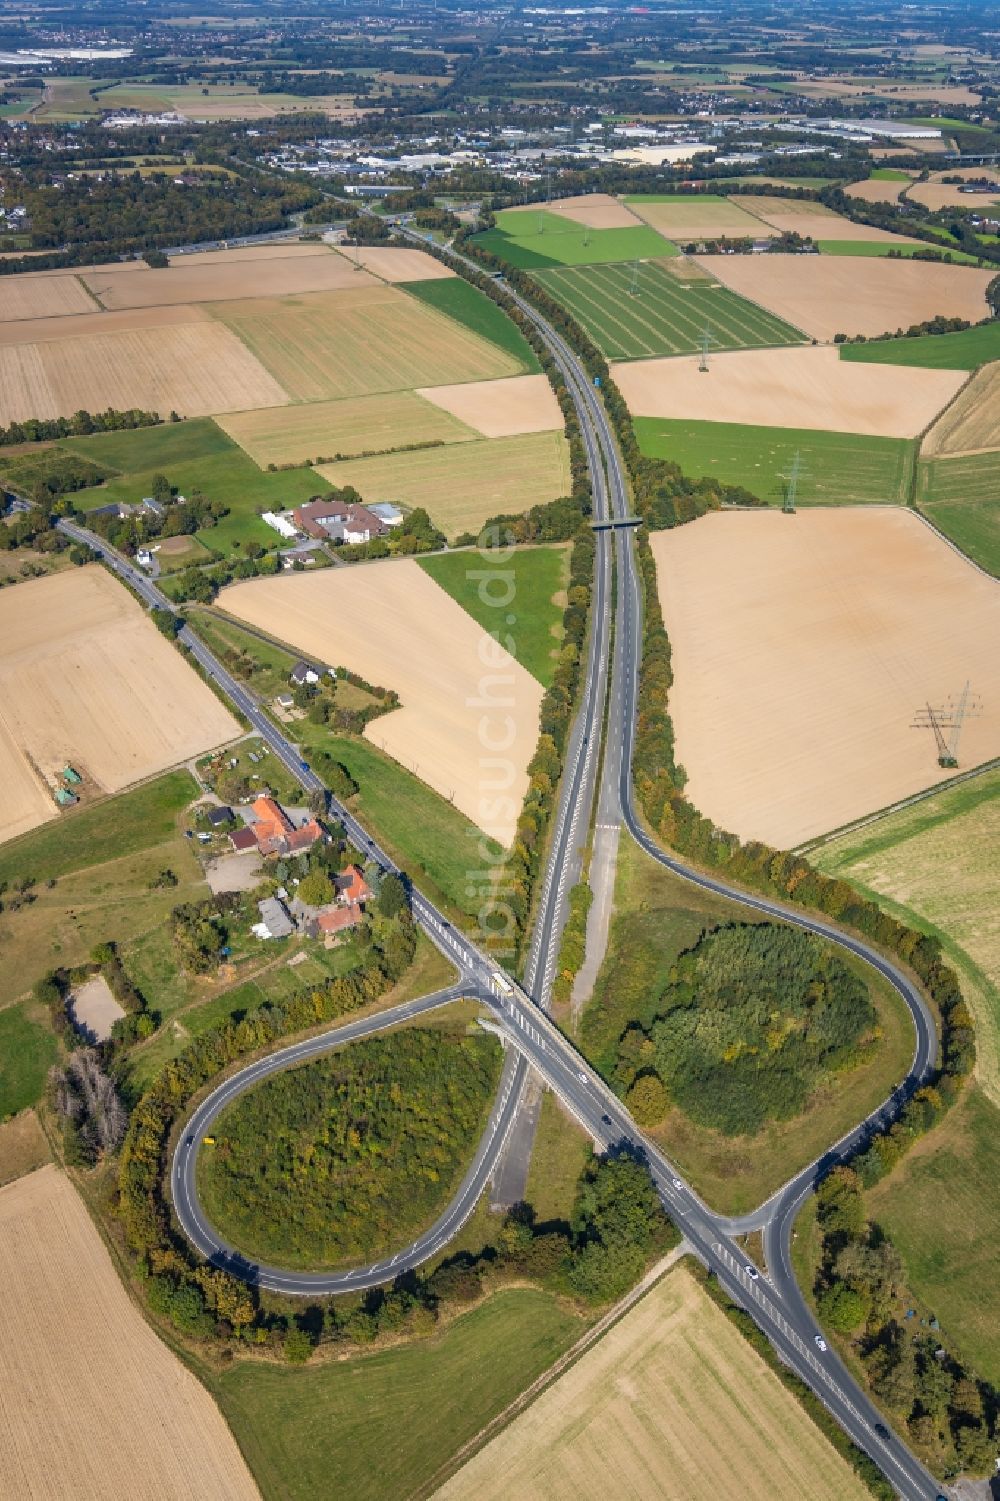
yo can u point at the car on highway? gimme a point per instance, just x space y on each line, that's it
751 1271
583 1077
677 1183
883 1432
820 1343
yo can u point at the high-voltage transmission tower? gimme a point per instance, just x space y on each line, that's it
705 344
947 723
792 485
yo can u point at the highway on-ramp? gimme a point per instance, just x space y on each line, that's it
775 1302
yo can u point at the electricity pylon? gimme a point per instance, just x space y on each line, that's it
950 718
792 485
707 340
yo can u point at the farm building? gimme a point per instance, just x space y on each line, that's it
274 920
338 920
272 832
334 521
352 888
304 673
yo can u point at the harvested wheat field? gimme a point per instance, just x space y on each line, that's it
972 422
465 484
803 645
214 281
808 387
813 221
92 1405
272 250
672 1402
373 338
353 425
192 368
32 296
86 678
938 195
699 217
875 190
392 623
391 264
596 210
501 408
78 325
828 294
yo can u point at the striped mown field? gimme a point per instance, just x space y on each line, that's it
961 496
664 315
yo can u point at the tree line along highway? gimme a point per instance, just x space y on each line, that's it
776 1303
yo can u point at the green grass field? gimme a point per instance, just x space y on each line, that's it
934 865
197 455
386 1423
888 174
535 576
963 350
476 311
533 240
962 497
27 1052
657 917
940 1208
837 468
882 248
665 315
101 861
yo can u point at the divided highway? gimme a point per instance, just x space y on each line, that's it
775 1303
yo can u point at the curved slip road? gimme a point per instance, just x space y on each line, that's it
776 1304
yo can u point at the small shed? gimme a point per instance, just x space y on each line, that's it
274 919
71 775
219 817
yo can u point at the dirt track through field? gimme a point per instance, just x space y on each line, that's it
807 387
802 648
972 422
192 368
501 408
469 720
671 1403
92 1404
87 679
829 294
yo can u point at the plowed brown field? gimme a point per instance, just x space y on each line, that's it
671 1403
802 647
86 678
830 294
466 728
92 1405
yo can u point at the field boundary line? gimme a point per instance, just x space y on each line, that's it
549 1376
89 292
898 807
925 434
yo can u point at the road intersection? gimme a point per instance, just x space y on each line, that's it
776 1302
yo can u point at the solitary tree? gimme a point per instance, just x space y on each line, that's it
391 896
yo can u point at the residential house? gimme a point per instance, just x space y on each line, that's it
338 920
351 887
336 521
303 673
273 833
220 817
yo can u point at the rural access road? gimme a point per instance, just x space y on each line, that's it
775 1303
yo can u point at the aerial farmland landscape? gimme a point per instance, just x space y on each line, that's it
500 726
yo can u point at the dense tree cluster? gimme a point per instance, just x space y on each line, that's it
88 1104
950 1416
337 1161
80 425
752 1018
96 218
